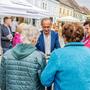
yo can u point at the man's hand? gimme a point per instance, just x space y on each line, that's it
10 37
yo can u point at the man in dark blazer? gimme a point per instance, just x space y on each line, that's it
54 42
46 31
6 34
48 39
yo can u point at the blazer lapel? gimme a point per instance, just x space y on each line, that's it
52 41
42 42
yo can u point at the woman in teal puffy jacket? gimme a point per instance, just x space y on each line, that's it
69 67
21 66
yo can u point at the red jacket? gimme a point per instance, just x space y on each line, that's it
87 41
17 39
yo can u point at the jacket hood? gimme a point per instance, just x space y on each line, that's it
23 50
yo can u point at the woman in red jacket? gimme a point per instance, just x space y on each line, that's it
86 39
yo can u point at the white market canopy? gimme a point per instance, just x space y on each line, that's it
11 12
18 13
7 7
69 19
25 3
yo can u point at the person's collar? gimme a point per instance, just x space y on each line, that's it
5 25
48 34
74 44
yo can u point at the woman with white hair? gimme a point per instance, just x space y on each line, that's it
21 66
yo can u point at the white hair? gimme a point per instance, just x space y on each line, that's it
29 33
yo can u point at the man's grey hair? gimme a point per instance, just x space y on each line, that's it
45 19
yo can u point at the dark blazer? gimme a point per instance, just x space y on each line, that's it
54 41
0 34
5 42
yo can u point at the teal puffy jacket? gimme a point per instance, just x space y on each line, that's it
21 68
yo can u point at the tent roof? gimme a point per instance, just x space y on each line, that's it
8 7
69 19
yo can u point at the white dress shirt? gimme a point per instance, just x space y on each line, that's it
47 41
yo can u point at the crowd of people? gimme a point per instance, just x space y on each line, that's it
35 60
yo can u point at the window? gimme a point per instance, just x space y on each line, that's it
43 5
71 13
67 12
64 11
33 22
60 10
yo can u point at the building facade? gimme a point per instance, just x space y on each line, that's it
71 8
52 6
60 8
65 8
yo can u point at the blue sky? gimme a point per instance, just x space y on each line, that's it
84 3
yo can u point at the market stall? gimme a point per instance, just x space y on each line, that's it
9 7
69 19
